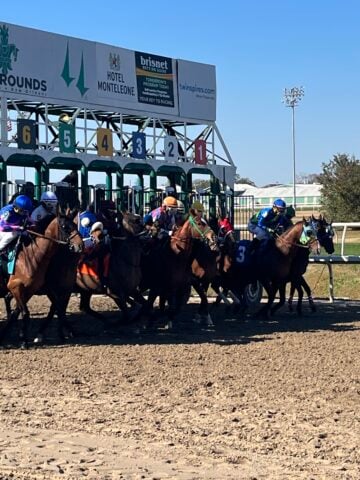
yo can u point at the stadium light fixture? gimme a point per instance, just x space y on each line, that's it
292 97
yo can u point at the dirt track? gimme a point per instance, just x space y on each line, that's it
246 399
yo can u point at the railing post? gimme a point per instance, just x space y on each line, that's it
331 283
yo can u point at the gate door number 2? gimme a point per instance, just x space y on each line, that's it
171 149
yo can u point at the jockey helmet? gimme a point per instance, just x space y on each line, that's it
170 202
97 226
148 219
197 206
279 204
290 212
180 206
23 204
49 197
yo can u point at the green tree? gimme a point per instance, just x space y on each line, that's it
239 179
340 192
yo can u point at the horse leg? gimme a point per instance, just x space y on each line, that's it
203 310
24 319
282 290
291 296
300 297
271 292
39 339
307 289
7 299
85 297
14 315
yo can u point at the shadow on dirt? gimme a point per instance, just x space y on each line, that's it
228 329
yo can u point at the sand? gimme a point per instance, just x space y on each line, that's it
246 399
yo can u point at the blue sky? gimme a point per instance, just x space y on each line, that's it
258 48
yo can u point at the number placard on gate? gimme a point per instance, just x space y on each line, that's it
66 138
104 142
26 134
171 149
139 145
200 152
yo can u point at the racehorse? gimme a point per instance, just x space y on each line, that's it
324 235
274 259
204 267
123 264
167 268
32 266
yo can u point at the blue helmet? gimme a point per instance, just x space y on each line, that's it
24 203
148 219
279 204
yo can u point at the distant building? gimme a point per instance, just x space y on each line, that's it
307 195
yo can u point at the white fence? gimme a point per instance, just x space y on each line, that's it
341 259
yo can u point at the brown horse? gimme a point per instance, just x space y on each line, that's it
204 267
167 268
32 266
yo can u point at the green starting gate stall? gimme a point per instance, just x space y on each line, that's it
86 107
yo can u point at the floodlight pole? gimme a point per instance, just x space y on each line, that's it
292 97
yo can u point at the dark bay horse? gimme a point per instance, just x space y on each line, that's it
123 264
324 235
32 266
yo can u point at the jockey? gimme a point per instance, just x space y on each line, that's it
107 216
48 207
94 239
196 212
263 223
13 219
86 220
165 216
285 221
225 227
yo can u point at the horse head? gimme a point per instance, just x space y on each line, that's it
131 223
324 233
301 234
65 231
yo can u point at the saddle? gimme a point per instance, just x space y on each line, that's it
96 267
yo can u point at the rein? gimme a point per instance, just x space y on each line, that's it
60 242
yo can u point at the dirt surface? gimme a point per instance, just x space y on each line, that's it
246 399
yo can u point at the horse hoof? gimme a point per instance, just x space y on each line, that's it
24 345
209 321
39 340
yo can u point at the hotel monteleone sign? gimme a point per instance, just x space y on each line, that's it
64 70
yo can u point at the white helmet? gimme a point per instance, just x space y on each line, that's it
49 196
50 200
97 226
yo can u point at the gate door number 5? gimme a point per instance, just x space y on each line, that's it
171 149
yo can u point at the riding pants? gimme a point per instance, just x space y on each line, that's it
259 232
7 237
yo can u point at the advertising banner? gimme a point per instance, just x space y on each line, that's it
58 69
197 90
